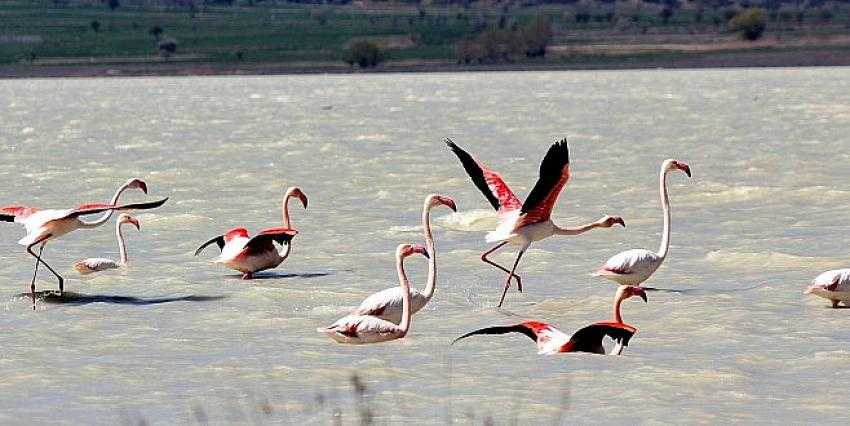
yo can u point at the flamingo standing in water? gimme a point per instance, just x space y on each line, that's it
387 304
633 267
358 329
97 264
250 255
550 340
833 285
45 225
524 223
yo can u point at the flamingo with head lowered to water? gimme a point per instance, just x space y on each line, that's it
387 304
359 329
550 340
832 285
633 267
253 254
522 223
45 225
97 264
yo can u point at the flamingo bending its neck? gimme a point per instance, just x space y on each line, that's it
45 225
253 254
833 285
387 304
633 267
522 223
550 340
97 264
358 329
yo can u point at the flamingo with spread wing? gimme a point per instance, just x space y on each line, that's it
524 223
45 225
248 254
550 340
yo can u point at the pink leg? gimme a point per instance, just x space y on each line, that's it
247 276
38 260
508 281
486 260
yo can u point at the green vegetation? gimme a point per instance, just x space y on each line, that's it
750 23
111 32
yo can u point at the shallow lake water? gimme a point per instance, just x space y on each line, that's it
174 338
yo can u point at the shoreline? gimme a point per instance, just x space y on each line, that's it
749 58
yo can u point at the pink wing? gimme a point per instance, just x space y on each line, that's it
554 174
16 213
488 182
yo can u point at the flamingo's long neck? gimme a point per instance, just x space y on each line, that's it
122 250
431 284
618 300
665 204
285 208
405 287
575 230
105 217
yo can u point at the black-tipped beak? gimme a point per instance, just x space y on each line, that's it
620 221
643 296
688 171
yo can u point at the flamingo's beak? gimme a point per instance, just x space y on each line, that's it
138 183
810 290
134 222
421 250
686 168
448 202
642 294
620 220
303 199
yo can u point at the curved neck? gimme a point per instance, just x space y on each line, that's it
405 287
431 284
575 230
665 205
285 208
105 217
618 300
122 250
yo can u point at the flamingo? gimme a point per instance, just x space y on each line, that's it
97 264
387 304
633 267
833 285
249 255
550 340
359 329
45 225
520 223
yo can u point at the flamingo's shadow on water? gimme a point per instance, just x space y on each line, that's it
702 291
279 275
77 299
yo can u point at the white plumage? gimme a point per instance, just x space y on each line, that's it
833 285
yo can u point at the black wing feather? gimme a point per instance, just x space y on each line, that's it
589 339
219 241
551 169
475 173
519 328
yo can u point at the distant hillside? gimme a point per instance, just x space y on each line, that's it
46 37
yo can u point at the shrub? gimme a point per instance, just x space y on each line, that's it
95 26
167 47
113 4
750 23
363 53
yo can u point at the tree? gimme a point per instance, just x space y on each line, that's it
363 53
95 25
156 32
113 4
536 35
167 47
751 23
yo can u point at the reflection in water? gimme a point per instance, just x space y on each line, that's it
71 298
276 275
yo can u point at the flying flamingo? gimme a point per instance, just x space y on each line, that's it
550 340
97 264
387 304
633 267
833 285
45 225
249 255
358 329
521 224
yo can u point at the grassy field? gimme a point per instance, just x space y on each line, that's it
40 34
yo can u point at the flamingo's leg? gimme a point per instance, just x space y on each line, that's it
247 276
834 303
486 260
508 281
40 260
34 273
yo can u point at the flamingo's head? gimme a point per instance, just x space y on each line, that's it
405 250
434 200
677 165
816 288
609 221
297 193
632 291
125 218
137 184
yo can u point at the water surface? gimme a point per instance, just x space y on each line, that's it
176 339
